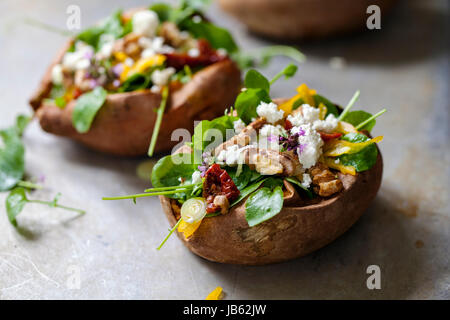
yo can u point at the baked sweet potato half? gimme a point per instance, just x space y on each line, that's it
106 85
300 19
281 178
301 227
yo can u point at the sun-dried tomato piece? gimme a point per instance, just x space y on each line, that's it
329 136
207 55
288 125
218 182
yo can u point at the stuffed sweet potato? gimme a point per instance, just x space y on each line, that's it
290 176
300 19
138 75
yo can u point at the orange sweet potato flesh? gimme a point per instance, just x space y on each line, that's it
300 228
124 124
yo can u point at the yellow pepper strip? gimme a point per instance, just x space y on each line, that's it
141 65
188 229
216 294
330 162
345 127
306 94
120 56
322 111
336 148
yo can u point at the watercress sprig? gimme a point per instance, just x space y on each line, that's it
160 114
17 199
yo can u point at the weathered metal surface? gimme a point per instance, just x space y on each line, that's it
403 67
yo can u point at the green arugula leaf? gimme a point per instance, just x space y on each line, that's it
362 160
86 108
263 205
357 117
247 102
273 182
255 80
12 158
15 202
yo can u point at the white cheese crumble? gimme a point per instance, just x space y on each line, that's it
79 59
145 23
328 125
154 46
161 77
270 112
306 180
197 177
310 145
310 115
232 156
193 52
238 125
57 74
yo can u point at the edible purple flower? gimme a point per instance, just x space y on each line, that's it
118 69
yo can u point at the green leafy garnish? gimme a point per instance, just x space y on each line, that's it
12 158
16 200
369 120
255 80
357 117
349 106
297 183
218 37
331 108
137 81
112 25
362 160
247 191
263 205
167 172
160 114
86 108
247 102
287 72
244 177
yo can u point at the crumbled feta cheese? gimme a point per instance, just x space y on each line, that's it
57 74
337 161
145 23
193 52
310 115
270 112
328 125
238 125
79 59
197 177
232 156
222 52
161 77
155 89
310 144
269 130
129 62
306 180
154 46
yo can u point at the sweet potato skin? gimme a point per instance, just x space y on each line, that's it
124 124
296 231
300 19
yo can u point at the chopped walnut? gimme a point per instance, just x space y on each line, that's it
325 182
